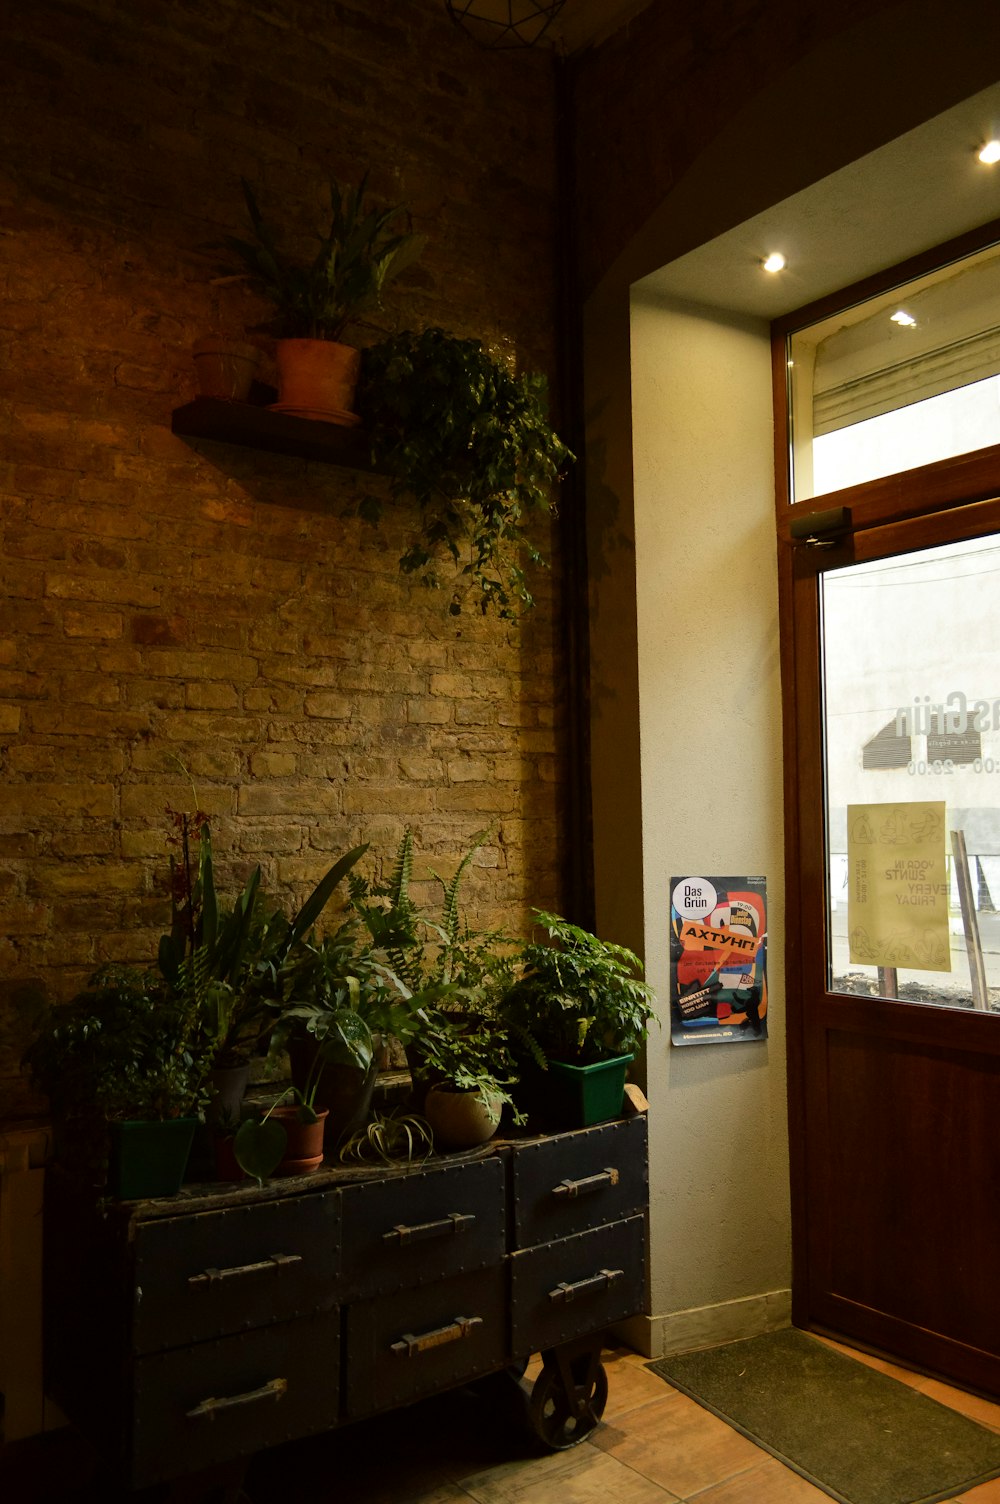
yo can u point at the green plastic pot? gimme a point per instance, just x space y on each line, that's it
149 1158
581 1095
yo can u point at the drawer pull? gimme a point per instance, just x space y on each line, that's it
274 1389
573 1188
213 1276
602 1280
456 1222
461 1327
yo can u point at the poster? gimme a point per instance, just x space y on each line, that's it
897 894
718 960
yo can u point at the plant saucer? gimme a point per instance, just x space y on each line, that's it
323 414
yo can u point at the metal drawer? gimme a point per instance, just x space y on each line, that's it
575 1181
415 1342
425 1225
217 1401
212 1273
577 1285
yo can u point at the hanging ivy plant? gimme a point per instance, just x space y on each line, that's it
472 443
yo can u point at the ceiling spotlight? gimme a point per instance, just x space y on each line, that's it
774 263
990 153
504 23
906 320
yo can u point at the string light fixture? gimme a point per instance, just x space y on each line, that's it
504 23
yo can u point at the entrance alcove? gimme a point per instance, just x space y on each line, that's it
860 156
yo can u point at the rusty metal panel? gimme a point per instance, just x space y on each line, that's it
412 1343
216 1401
426 1225
575 1181
577 1285
214 1273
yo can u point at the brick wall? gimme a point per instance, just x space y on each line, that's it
185 611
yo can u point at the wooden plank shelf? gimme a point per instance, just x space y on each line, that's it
256 427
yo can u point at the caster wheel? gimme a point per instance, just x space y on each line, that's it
562 1420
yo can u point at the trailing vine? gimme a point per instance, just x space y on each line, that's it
472 443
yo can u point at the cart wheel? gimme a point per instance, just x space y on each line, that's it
562 1419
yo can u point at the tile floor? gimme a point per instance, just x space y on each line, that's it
655 1446
470 1446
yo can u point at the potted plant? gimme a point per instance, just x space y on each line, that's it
389 1137
332 990
225 368
226 964
449 977
318 297
289 1136
471 442
579 1011
467 1071
125 1076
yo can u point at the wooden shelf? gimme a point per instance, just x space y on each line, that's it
259 428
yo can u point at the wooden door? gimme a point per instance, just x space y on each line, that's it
895 1067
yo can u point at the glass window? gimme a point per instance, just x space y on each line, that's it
909 377
911 724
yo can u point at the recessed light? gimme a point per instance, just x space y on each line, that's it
905 319
990 153
774 263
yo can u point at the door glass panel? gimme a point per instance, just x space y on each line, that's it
911 704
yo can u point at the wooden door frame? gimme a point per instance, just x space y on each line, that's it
937 493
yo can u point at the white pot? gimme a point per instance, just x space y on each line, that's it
461 1119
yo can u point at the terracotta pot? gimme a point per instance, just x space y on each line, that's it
461 1119
304 1150
226 1167
225 369
343 1090
317 379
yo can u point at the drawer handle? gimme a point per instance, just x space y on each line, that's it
461 1327
573 1188
213 1276
602 1280
274 1389
455 1222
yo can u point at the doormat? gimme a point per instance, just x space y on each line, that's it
859 1435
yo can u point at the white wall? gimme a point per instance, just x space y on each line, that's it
710 740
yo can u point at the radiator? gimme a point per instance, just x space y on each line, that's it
23 1152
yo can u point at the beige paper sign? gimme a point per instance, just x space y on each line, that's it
897 906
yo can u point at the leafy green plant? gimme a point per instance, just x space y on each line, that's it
388 1137
260 1142
448 975
124 1048
226 966
435 958
580 999
339 976
472 443
361 250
